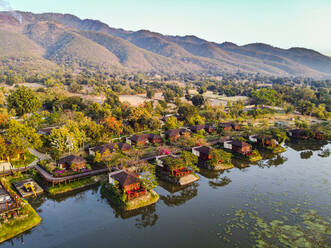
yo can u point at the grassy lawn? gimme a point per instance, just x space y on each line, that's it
27 219
63 188
29 158
150 198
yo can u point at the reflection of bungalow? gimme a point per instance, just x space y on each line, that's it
72 162
107 149
298 134
46 131
154 138
128 182
238 146
203 152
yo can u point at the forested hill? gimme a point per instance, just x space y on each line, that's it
51 41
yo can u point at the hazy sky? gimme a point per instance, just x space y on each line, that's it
282 23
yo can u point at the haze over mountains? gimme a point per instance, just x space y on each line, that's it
50 41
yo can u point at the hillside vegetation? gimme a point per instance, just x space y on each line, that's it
73 43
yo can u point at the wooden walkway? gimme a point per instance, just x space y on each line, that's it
51 179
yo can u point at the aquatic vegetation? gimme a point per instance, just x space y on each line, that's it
306 154
324 153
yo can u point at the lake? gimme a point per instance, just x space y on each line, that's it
220 210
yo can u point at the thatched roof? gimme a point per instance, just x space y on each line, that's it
72 159
125 178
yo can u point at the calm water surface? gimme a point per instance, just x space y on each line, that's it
195 216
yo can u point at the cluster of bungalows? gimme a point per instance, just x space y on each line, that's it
128 182
143 139
203 152
107 149
298 134
263 141
304 134
73 163
8 203
179 172
206 127
238 146
230 126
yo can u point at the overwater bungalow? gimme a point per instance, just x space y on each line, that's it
238 146
173 169
129 184
203 152
206 157
298 134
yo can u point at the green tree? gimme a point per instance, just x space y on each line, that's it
190 160
150 93
61 141
173 123
23 101
266 96
22 136
198 100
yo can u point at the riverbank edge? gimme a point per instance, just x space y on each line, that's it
142 203
29 222
91 181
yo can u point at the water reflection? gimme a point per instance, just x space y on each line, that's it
240 164
146 216
185 194
210 174
324 153
221 182
277 160
301 145
306 154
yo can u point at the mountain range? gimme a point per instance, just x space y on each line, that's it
51 41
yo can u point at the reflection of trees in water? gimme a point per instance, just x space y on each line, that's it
181 197
306 154
277 160
324 153
219 182
146 216
301 145
240 164
209 173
